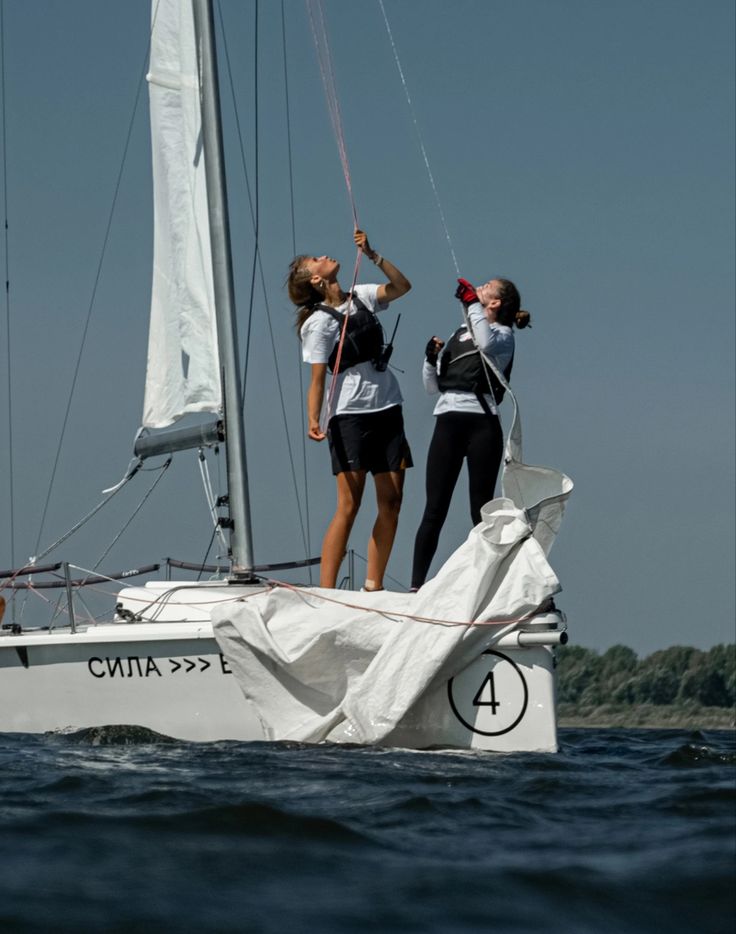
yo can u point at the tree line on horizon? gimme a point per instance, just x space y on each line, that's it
679 676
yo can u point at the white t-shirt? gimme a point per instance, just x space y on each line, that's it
361 388
496 341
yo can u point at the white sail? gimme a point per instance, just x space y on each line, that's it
183 364
320 664
542 492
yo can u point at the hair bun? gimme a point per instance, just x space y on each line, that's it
522 319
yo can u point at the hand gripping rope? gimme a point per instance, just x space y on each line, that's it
324 59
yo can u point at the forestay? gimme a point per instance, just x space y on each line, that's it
183 366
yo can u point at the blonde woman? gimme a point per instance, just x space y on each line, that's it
365 430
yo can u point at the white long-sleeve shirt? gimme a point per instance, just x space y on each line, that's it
496 341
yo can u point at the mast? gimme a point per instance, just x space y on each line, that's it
241 542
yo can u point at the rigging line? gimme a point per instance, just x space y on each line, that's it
249 331
91 619
340 344
302 406
288 131
484 360
58 610
252 201
210 497
103 502
138 508
206 554
95 285
419 138
256 199
395 615
365 560
237 117
266 302
9 358
324 59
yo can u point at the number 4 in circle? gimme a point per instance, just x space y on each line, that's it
487 697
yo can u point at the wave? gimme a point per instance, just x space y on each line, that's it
113 735
691 754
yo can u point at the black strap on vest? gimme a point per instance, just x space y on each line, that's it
466 371
364 338
483 402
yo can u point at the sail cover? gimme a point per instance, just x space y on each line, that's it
347 667
183 364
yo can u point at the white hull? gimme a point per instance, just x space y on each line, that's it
171 677
301 657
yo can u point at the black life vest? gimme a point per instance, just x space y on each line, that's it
363 336
461 368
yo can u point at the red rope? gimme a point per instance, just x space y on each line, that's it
327 72
336 369
391 613
324 59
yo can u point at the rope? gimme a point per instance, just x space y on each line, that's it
392 615
93 296
327 72
263 286
341 343
206 554
324 59
302 407
484 360
83 521
288 131
387 576
270 584
255 207
211 501
419 138
163 468
159 603
9 358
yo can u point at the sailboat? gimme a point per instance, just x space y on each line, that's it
467 662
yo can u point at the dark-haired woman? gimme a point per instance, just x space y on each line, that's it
467 427
365 427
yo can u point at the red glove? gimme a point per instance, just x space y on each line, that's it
466 292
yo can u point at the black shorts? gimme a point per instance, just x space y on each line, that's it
373 441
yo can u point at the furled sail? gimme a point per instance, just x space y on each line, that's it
183 364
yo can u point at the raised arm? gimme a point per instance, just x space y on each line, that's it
487 336
397 284
482 331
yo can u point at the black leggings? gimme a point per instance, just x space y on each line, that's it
457 436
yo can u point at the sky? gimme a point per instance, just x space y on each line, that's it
582 148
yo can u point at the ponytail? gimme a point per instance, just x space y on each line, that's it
511 313
301 291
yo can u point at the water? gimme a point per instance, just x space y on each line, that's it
120 830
